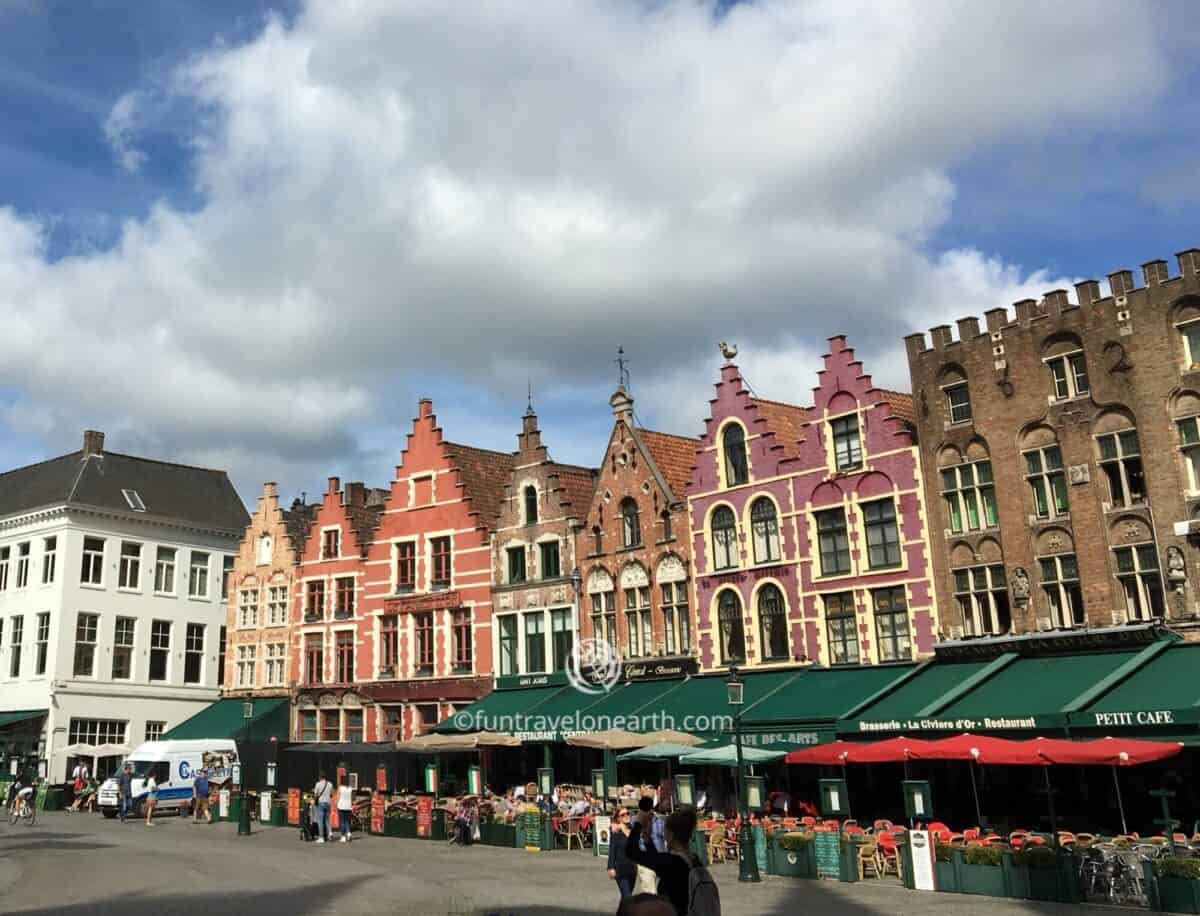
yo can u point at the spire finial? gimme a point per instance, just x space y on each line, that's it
622 368
529 398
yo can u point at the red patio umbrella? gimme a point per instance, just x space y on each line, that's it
830 755
891 750
983 749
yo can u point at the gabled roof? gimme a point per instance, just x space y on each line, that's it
786 421
484 475
196 496
576 485
674 456
901 403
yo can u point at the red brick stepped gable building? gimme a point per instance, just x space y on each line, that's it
808 525
635 546
427 604
332 647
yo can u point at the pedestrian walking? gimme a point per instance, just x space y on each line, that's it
681 878
620 868
151 798
200 793
125 792
345 806
322 795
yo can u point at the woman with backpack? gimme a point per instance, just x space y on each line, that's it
681 878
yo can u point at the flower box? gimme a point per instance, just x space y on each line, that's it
791 855
1178 895
946 876
405 827
498 833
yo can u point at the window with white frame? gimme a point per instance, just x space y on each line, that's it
724 538
49 559
92 571
264 550
604 617
198 575
842 628
389 644
638 622
122 655
1137 571
164 571
5 554
535 642
244 666
1189 445
86 627
764 528
1047 481
883 534
160 649
15 639
343 649
733 445
847 443
1060 582
562 637
155 730
344 594
331 544
227 562
1069 373
129 572
509 658
134 500
314 600
23 564
275 656
1121 462
1190 332
970 496
95 732
277 601
891 624
675 618
247 607
42 646
772 622
958 402
982 596
423 642
193 653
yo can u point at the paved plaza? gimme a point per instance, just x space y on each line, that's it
72 865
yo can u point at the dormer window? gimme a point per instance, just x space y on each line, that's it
134 500
1069 372
733 443
531 505
847 444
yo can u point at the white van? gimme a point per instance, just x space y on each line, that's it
174 765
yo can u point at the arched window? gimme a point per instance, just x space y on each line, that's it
531 509
733 634
765 527
631 529
733 442
1063 356
953 382
724 539
1121 458
773 623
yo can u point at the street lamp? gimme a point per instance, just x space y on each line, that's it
239 782
747 859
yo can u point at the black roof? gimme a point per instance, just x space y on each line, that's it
196 496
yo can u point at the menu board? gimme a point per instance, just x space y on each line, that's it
827 849
532 819
264 807
425 815
603 828
760 846
378 811
294 807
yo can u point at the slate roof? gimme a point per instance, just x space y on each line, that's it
674 456
197 496
484 475
298 520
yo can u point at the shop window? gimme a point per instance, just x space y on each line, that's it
724 538
86 626
631 529
958 402
834 542
604 617
440 550
982 596
1047 481
733 445
675 618
423 639
463 643
535 642
772 622
637 621
406 566
847 443
548 560
883 534
970 496
531 505
1069 375
562 637
1137 571
508 646
389 640
764 526
1121 462
842 629
1060 582
891 624
516 564
733 633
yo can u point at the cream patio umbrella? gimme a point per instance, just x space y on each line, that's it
671 736
613 739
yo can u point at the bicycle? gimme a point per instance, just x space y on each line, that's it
23 809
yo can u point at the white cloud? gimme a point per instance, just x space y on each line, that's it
492 192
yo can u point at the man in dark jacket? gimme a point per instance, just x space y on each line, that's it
620 869
125 792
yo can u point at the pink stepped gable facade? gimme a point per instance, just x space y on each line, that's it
808 526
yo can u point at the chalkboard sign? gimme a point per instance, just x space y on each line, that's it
294 807
424 815
827 849
532 819
760 846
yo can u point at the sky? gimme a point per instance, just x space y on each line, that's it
250 235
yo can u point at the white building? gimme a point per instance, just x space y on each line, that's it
112 611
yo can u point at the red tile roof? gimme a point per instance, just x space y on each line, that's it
484 475
785 420
674 456
901 403
576 486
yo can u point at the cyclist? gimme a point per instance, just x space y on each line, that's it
22 798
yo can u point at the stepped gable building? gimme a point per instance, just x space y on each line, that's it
535 571
808 525
635 549
426 603
112 601
333 647
1062 456
259 616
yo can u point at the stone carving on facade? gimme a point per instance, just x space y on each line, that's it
1020 587
532 599
670 569
506 602
634 576
558 594
599 581
1182 597
1079 473
1132 531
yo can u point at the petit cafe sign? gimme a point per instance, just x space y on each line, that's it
1137 717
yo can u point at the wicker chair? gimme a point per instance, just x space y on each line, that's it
718 846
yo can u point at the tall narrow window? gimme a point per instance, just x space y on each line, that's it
535 642
631 528
1069 373
164 571
15 640
423 640
354 726
86 626
308 725
227 562
276 662
1121 461
344 606
244 667
1047 481
345 657
773 623
724 538
464 652
508 645
675 618
331 544
440 548
733 631
23 564
982 596
406 566
638 622
562 637
842 628
958 400
883 534
42 649
1137 571
277 603
314 659
764 526
1190 332
129 574
970 496
314 601
1060 582
389 640
516 564
666 526
92 572
193 653
604 617
198 576
891 624
548 559
531 505
221 656
122 657
597 540
247 607
5 553
49 559
331 725
833 541
847 444
160 649
733 444
1189 444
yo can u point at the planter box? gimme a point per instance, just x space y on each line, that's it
791 863
946 876
405 827
1178 895
498 834
982 880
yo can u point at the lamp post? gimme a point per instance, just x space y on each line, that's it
747 858
244 808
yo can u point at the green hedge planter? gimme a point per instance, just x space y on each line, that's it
947 877
1178 895
982 880
403 827
494 833
797 862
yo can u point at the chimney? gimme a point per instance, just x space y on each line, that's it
941 336
1087 292
93 442
1154 273
356 494
424 408
1026 309
622 405
334 484
968 328
1120 283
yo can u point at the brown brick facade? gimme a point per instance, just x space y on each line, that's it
1066 452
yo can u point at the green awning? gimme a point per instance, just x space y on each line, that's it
227 719
497 711
12 718
819 696
898 710
1164 693
630 700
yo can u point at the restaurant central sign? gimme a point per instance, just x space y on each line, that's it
951 725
